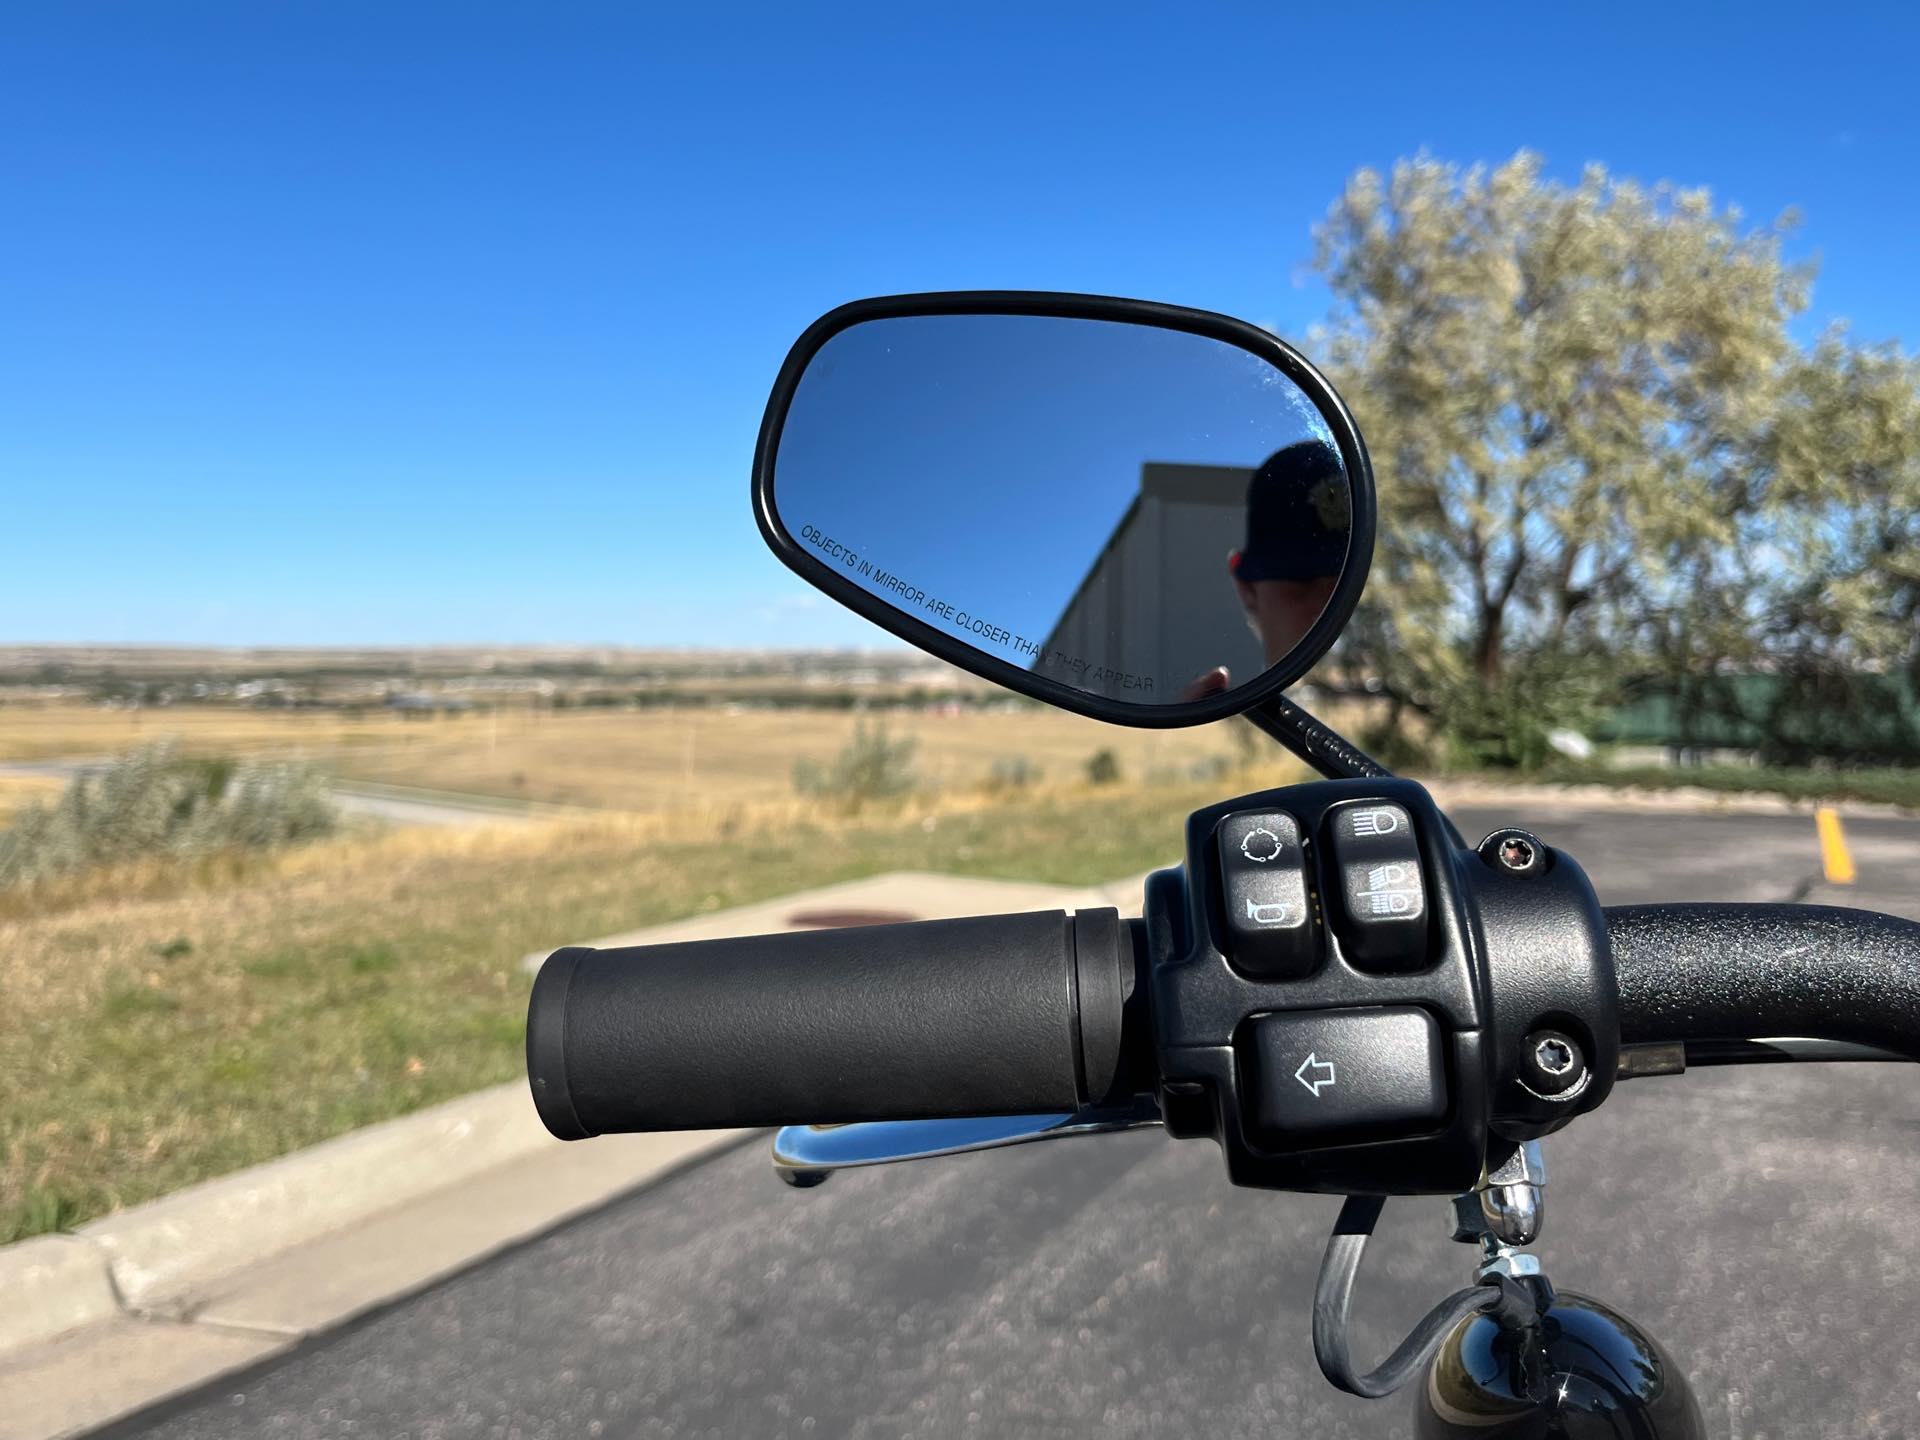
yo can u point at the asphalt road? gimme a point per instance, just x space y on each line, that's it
423 807
1763 1222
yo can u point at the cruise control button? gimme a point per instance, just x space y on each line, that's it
1338 1074
1263 873
1381 893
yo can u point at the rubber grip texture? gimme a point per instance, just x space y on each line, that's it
1725 972
939 1018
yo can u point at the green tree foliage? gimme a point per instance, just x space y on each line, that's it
1840 586
1602 458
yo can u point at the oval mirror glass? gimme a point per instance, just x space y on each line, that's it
1154 519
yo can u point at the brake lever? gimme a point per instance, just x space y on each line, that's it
805 1155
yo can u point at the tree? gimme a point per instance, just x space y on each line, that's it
1839 617
1564 388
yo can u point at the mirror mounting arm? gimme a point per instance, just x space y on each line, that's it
1322 747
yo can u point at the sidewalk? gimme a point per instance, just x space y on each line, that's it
153 1302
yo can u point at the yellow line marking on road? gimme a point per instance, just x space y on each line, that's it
1835 858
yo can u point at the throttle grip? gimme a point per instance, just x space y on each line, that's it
989 1015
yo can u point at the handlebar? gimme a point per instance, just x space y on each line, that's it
1042 1013
990 1015
1729 972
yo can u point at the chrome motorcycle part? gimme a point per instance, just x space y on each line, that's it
1575 1370
1513 1198
805 1155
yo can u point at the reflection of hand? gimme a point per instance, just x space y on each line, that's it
1209 682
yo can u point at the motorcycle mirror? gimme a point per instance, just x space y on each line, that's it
1147 514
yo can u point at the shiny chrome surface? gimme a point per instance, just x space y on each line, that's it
1505 1209
804 1155
1579 1371
1778 1048
1637 1061
1674 1058
1503 1213
1517 1264
1513 1198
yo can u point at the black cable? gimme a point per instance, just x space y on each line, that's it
1333 1296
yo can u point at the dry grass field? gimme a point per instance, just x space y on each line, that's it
631 760
649 760
21 790
170 1021
174 1018
61 730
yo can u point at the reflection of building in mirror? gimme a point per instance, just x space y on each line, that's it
1157 609
1213 574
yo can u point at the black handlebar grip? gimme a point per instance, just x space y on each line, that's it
1741 972
992 1015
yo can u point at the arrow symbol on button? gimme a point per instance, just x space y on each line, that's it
1309 1074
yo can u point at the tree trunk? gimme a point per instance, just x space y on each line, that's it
1486 650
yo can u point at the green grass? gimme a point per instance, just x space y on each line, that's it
166 1033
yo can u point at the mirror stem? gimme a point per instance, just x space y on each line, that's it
1327 751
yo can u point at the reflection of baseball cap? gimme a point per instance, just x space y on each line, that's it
1299 515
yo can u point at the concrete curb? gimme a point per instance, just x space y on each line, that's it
242 1304
53 1284
164 1252
158 1300
157 1259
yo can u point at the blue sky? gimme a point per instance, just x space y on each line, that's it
395 323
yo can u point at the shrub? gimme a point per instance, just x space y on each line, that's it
154 802
1013 772
1506 726
1103 767
871 766
1395 745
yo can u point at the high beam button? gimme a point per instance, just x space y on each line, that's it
1380 890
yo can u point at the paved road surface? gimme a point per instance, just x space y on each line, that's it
423 808
396 807
1764 1222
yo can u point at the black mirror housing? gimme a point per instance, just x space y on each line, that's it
1046 506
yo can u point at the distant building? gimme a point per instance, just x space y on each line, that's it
1159 593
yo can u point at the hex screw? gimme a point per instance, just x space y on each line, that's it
1553 1055
1517 852
1552 1062
1514 851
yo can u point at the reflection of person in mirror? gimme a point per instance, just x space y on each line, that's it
1299 516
